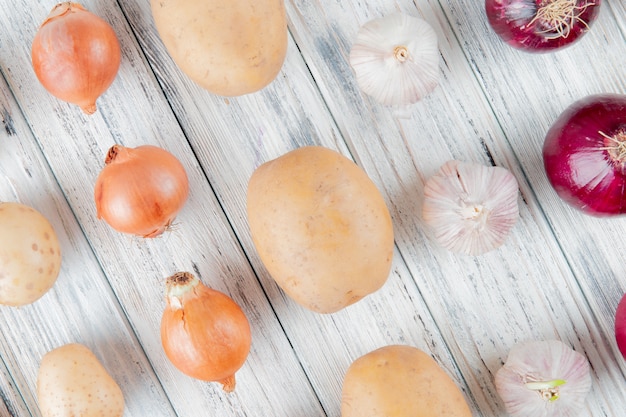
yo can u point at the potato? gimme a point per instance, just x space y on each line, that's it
400 381
320 227
72 382
30 254
230 48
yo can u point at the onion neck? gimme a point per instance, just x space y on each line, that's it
115 153
555 18
228 384
178 286
89 108
61 8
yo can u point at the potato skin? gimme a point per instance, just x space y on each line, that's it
72 382
30 255
320 227
230 48
400 381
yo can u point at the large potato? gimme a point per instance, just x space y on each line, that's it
230 48
321 228
30 254
72 382
400 381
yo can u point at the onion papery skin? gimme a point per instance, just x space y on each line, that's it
519 23
76 55
140 190
545 378
620 326
581 160
204 333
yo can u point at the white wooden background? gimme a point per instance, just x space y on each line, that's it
559 275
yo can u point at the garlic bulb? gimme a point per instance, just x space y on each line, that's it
544 379
470 208
396 59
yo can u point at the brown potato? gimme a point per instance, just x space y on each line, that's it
321 228
72 382
230 48
400 381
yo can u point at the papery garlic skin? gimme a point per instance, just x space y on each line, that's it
532 365
396 59
470 208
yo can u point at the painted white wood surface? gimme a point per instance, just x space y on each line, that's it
559 275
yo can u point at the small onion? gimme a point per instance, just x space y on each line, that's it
620 325
584 155
541 25
204 333
75 55
140 190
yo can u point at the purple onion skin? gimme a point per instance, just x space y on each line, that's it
583 172
620 326
512 20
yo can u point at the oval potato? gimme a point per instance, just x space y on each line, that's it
230 48
320 227
400 381
30 254
72 382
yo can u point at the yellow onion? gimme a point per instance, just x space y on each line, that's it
75 55
204 333
140 190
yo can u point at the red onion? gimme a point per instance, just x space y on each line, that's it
620 326
541 25
584 155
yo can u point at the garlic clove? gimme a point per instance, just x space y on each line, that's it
396 59
544 379
470 208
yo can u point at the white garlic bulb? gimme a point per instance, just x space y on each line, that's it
396 59
470 208
544 379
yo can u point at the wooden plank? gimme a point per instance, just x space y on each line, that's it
134 112
527 282
80 307
550 83
459 126
559 274
11 403
231 138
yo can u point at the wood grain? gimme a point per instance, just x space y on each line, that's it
559 275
